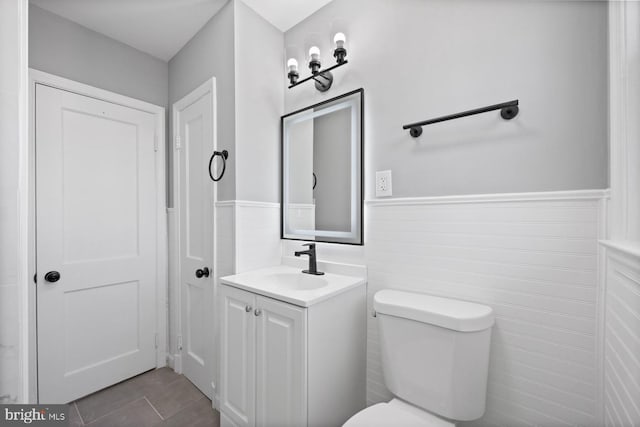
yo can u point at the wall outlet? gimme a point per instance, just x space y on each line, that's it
383 183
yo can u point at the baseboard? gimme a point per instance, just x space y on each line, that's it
175 362
215 402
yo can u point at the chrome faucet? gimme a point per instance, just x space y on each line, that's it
313 267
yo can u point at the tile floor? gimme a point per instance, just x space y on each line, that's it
156 398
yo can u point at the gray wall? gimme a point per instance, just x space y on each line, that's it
244 53
420 59
211 53
64 48
260 89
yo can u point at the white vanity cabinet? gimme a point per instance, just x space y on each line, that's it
283 364
263 345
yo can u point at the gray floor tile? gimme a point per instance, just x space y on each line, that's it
102 402
136 414
154 379
174 397
196 414
74 416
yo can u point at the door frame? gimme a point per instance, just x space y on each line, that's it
209 86
51 80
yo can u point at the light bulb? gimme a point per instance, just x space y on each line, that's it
339 39
314 53
292 64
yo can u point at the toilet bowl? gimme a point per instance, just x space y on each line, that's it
398 414
435 360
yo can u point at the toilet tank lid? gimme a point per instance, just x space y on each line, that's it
448 313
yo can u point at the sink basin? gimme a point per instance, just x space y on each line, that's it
297 281
289 284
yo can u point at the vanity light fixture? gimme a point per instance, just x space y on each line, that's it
314 59
323 78
340 52
293 75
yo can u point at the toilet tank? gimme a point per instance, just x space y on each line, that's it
435 351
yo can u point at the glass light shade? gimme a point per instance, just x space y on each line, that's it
292 64
314 53
339 39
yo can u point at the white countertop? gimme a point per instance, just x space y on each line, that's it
289 284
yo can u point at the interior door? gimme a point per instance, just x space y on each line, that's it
281 392
238 360
96 243
194 124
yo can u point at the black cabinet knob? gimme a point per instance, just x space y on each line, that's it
204 272
52 276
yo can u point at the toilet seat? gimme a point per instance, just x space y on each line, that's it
395 413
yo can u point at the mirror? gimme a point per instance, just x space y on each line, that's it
322 152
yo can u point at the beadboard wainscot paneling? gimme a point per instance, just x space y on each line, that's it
622 337
9 342
533 258
9 296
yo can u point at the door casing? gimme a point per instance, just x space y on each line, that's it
40 77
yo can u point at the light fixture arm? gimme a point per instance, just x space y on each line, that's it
323 73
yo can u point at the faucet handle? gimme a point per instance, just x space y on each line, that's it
311 245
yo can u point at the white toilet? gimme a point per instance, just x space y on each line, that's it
435 360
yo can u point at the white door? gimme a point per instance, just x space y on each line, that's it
281 392
194 125
96 227
238 361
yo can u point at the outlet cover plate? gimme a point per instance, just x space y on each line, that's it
383 183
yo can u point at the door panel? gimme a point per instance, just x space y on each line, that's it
281 364
194 124
237 367
95 221
95 199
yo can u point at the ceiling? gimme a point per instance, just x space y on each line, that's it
284 14
162 27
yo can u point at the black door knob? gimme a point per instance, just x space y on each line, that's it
204 272
52 276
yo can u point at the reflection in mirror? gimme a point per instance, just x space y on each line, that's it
322 171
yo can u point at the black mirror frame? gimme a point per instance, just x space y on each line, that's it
344 95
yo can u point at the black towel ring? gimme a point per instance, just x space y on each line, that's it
225 155
315 181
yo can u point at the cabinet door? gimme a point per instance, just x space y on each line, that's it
281 396
237 373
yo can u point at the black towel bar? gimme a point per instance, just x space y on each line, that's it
508 111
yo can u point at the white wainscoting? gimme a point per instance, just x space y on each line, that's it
532 257
622 338
224 235
9 340
254 239
257 235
